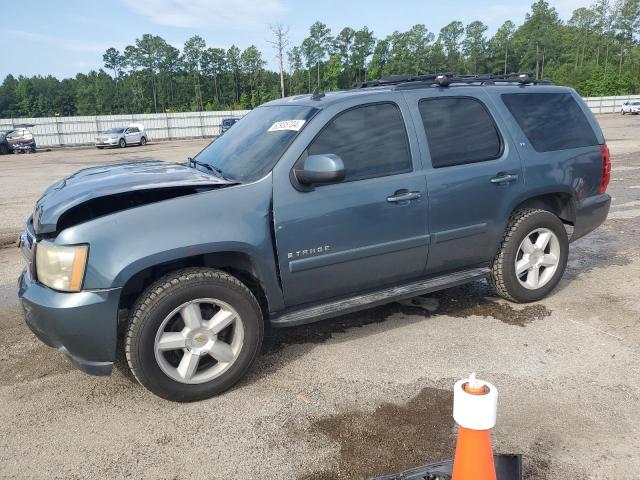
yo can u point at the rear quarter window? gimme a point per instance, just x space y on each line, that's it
550 121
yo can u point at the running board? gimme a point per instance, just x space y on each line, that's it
372 299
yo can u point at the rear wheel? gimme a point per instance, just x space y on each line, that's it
532 257
143 141
122 143
193 334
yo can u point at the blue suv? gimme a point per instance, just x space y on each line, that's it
310 207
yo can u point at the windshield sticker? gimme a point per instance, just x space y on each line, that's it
293 125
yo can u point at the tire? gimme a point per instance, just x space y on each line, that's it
622 111
143 141
4 149
537 226
162 312
122 143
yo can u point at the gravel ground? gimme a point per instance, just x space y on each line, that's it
364 394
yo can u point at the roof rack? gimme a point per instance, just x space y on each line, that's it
446 79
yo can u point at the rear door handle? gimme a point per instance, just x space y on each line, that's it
504 177
403 196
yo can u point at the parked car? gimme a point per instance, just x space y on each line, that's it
630 107
227 123
122 137
18 140
312 207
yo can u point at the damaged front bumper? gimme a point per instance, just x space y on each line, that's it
81 325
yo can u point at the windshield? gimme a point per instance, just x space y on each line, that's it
635 103
227 122
115 130
256 142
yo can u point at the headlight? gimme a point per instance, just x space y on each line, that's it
61 267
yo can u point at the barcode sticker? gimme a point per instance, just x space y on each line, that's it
293 125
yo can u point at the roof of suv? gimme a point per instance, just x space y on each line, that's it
466 85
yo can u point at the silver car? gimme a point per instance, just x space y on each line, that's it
121 137
631 107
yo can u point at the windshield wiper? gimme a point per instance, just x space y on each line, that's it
211 168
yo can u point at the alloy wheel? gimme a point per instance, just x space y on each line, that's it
537 258
199 341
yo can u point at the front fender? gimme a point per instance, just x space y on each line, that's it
235 218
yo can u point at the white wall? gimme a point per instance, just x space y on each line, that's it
57 131
608 104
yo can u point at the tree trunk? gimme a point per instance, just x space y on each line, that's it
281 73
506 53
620 65
318 74
155 94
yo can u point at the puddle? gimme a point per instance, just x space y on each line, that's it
392 438
479 299
463 301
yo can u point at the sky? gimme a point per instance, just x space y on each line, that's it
62 38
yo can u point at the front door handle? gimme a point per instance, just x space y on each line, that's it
504 177
403 196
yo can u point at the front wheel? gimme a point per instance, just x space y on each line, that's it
193 334
532 257
122 143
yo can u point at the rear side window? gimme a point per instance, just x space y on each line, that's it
371 140
459 130
551 121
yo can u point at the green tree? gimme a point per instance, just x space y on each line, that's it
321 41
192 61
475 45
451 39
499 48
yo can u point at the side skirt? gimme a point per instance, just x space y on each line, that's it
334 308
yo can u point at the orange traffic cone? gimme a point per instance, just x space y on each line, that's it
474 410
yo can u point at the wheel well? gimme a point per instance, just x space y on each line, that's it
560 204
239 265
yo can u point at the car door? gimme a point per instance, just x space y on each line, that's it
362 233
131 135
473 177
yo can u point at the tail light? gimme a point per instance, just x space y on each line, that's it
606 168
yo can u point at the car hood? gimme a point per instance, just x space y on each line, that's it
126 185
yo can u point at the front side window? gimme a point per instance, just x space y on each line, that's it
371 141
459 130
551 121
250 149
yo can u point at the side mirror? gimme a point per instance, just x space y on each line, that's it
325 168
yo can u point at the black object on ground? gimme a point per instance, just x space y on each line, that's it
508 467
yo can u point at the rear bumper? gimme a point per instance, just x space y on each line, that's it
81 325
590 214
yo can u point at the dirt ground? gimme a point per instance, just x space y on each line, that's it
361 395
